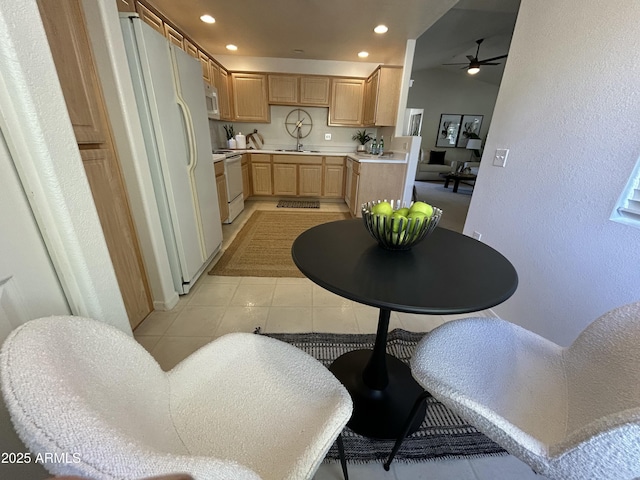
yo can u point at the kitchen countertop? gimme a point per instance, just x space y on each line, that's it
393 157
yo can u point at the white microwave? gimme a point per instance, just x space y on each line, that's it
211 97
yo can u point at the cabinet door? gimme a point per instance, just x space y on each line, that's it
249 93
174 36
283 89
370 98
221 183
353 194
387 96
261 176
246 181
126 6
346 101
214 73
348 180
333 181
150 18
71 53
204 63
284 179
223 94
314 91
310 184
191 49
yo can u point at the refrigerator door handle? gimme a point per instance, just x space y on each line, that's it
191 167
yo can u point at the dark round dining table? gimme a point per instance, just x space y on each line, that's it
447 273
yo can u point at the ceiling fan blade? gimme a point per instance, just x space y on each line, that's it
490 63
455 64
471 59
493 58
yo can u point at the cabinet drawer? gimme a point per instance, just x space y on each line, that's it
299 159
334 160
260 158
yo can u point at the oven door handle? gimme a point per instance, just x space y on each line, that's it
234 159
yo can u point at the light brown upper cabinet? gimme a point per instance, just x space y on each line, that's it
150 18
249 93
126 6
314 91
214 73
381 96
224 98
204 63
174 36
346 101
305 90
283 89
191 49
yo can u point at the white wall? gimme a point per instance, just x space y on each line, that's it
438 92
568 111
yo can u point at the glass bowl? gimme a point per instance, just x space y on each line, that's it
398 234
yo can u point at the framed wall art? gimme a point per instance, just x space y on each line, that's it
448 130
469 128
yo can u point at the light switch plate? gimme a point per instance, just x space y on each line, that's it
327 136
500 160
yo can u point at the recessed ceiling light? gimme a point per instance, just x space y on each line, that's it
381 29
208 19
363 54
232 47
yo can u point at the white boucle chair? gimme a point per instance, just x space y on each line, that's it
570 413
242 407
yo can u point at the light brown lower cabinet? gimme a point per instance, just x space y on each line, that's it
333 178
310 180
261 178
221 184
285 179
246 177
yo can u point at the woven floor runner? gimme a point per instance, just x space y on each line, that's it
262 247
442 434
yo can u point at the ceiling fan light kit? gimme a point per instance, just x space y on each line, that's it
474 64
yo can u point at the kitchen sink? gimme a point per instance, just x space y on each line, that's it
298 151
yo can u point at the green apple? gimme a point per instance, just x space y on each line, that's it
422 207
417 219
398 220
402 211
382 208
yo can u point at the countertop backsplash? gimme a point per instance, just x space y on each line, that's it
276 136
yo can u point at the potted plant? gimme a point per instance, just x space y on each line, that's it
363 137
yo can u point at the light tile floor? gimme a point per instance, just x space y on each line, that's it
219 305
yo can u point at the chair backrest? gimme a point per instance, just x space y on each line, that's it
603 371
77 385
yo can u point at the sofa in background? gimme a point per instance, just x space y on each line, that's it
431 164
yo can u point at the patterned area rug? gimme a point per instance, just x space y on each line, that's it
442 434
262 248
298 204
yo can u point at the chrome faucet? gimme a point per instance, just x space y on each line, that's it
299 147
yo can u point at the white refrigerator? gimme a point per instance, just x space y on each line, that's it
170 99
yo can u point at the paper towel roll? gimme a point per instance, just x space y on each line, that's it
241 141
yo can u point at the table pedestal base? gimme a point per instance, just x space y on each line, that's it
379 413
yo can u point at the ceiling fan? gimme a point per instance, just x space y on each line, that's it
474 64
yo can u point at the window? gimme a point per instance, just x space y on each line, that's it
627 209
